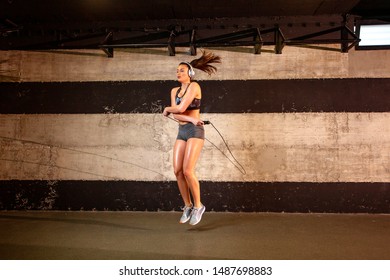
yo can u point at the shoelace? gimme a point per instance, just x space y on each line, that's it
184 208
194 210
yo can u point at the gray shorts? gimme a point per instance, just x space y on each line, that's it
189 130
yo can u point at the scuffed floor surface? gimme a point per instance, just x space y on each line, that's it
158 235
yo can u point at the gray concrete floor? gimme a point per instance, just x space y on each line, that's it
158 235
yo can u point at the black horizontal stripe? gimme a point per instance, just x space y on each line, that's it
229 96
300 197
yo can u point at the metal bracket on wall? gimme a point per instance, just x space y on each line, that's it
229 40
108 40
345 42
7 27
225 40
172 37
65 41
171 43
146 41
279 40
192 42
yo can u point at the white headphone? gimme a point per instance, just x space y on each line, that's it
191 71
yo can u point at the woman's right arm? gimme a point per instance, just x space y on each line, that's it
185 118
178 116
173 109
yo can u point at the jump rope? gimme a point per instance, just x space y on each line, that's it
236 163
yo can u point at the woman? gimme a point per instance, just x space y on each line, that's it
185 108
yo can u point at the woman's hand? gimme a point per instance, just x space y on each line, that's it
166 113
197 122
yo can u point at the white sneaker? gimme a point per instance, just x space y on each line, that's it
196 215
186 214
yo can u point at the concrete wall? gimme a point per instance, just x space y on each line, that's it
155 64
44 144
299 147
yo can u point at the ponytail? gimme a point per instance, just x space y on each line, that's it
204 62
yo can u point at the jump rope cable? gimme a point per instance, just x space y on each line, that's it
236 163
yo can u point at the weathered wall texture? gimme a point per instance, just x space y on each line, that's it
155 64
299 147
310 127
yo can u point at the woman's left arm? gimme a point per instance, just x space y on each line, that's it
193 91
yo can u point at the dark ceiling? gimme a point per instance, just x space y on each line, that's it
49 11
27 24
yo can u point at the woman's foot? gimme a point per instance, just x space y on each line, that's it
196 215
186 214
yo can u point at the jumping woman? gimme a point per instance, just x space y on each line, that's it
185 108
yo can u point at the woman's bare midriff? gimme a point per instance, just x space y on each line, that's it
191 113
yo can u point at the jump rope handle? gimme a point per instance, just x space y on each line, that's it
206 122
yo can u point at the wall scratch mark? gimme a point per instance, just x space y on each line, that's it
80 152
60 167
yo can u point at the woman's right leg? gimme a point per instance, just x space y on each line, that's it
178 159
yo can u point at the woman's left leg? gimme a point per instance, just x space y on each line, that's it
193 149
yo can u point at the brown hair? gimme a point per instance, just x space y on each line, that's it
204 62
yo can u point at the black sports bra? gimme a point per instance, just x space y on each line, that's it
195 104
